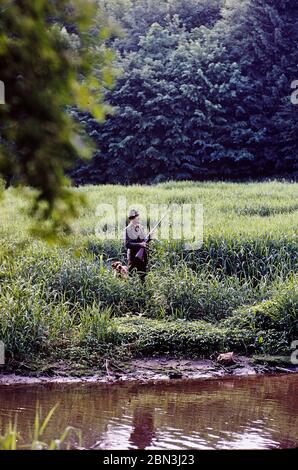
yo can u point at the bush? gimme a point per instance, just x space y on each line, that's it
184 338
274 321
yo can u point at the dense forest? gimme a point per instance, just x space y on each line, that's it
204 92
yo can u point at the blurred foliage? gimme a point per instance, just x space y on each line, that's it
52 57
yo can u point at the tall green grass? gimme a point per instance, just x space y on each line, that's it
54 299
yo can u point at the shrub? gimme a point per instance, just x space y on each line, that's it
274 321
184 338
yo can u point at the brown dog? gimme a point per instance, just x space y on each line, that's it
120 270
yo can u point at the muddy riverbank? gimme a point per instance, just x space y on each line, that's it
144 370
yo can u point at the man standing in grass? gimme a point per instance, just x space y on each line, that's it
135 240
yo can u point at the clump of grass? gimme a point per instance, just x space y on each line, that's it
267 210
9 440
280 312
28 323
96 326
192 339
247 258
274 321
182 293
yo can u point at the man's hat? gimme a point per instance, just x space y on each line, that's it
132 214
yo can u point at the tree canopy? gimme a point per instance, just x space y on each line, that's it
205 93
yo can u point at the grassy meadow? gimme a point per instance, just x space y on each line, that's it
62 304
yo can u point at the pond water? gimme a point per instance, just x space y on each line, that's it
232 413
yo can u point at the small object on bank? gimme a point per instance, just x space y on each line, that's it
226 359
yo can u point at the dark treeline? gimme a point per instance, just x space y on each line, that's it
205 92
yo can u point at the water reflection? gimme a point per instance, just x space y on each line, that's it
143 431
233 413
